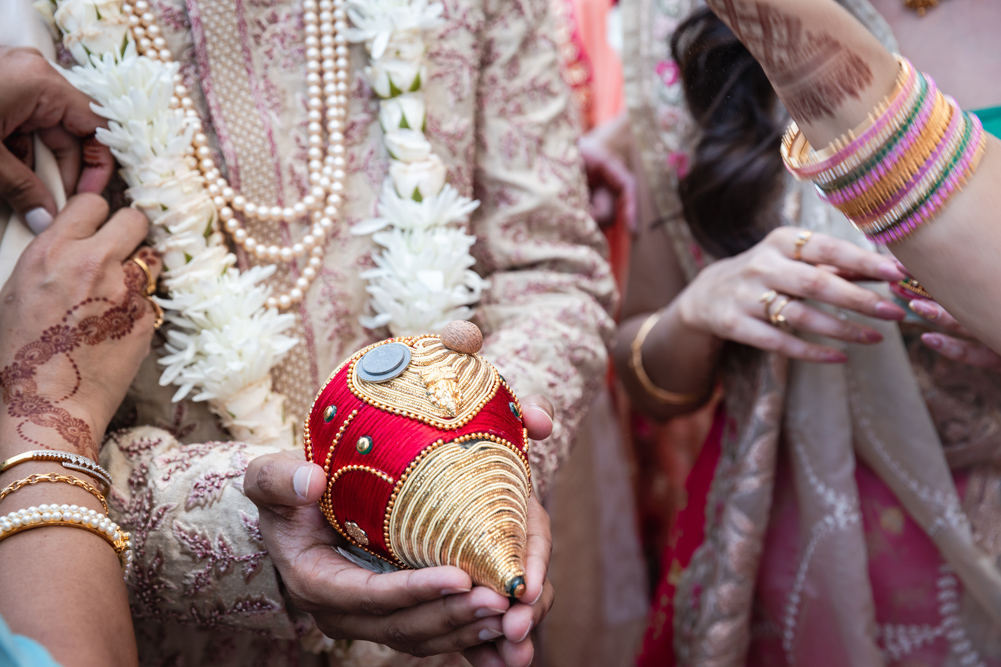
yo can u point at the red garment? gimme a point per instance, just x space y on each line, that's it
686 536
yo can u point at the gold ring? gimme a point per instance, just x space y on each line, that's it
802 239
776 317
150 282
768 298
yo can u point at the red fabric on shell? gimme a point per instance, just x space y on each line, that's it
361 496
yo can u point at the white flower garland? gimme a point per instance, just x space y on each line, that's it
423 277
222 342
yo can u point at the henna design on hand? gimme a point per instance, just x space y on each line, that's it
813 72
17 380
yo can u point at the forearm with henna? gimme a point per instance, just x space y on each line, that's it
36 414
826 67
831 91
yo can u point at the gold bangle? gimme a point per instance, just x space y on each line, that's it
636 363
54 478
72 516
67 460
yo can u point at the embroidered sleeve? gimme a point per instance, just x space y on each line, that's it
546 313
199 553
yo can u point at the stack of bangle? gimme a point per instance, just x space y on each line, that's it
65 515
899 168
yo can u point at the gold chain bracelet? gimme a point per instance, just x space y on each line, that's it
54 478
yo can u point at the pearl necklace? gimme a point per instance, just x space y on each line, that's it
327 86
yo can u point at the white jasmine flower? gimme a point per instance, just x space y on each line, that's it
406 111
418 179
447 207
76 14
408 145
389 77
375 21
110 36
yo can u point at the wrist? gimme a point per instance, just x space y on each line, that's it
65 427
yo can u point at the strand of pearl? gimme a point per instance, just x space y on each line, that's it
327 72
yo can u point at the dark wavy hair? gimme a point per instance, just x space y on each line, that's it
731 193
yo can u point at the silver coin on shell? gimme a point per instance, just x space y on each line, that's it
384 362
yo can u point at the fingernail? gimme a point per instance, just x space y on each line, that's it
902 268
454 591
38 219
527 632
924 309
483 612
932 340
300 480
539 409
888 311
536 597
891 271
486 634
835 357
871 336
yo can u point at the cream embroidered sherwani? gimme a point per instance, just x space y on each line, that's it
204 591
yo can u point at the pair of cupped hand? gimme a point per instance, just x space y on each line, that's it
75 329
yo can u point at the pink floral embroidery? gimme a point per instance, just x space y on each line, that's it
668 72
679 162
218 555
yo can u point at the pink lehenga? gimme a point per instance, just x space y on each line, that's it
838 514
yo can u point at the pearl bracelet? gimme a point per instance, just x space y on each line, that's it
75 517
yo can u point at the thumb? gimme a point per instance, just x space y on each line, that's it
537 413
285 479
24 191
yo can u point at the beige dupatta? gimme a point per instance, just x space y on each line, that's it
827 416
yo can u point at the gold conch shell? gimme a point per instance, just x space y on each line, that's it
466 504
442 385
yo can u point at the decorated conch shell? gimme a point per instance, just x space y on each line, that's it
426 457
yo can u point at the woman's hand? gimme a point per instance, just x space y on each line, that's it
420 612
962 346
76 325
36 98
726 299
612 185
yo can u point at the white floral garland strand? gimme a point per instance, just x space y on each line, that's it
423 277
222 342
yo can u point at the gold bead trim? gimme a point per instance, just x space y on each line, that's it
337 439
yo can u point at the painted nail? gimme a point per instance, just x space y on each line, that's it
38 219
483 612
527 632
870 336
300 480
835 357
454 591
934 341
888 311
902 268
891 272
486 634
924 309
